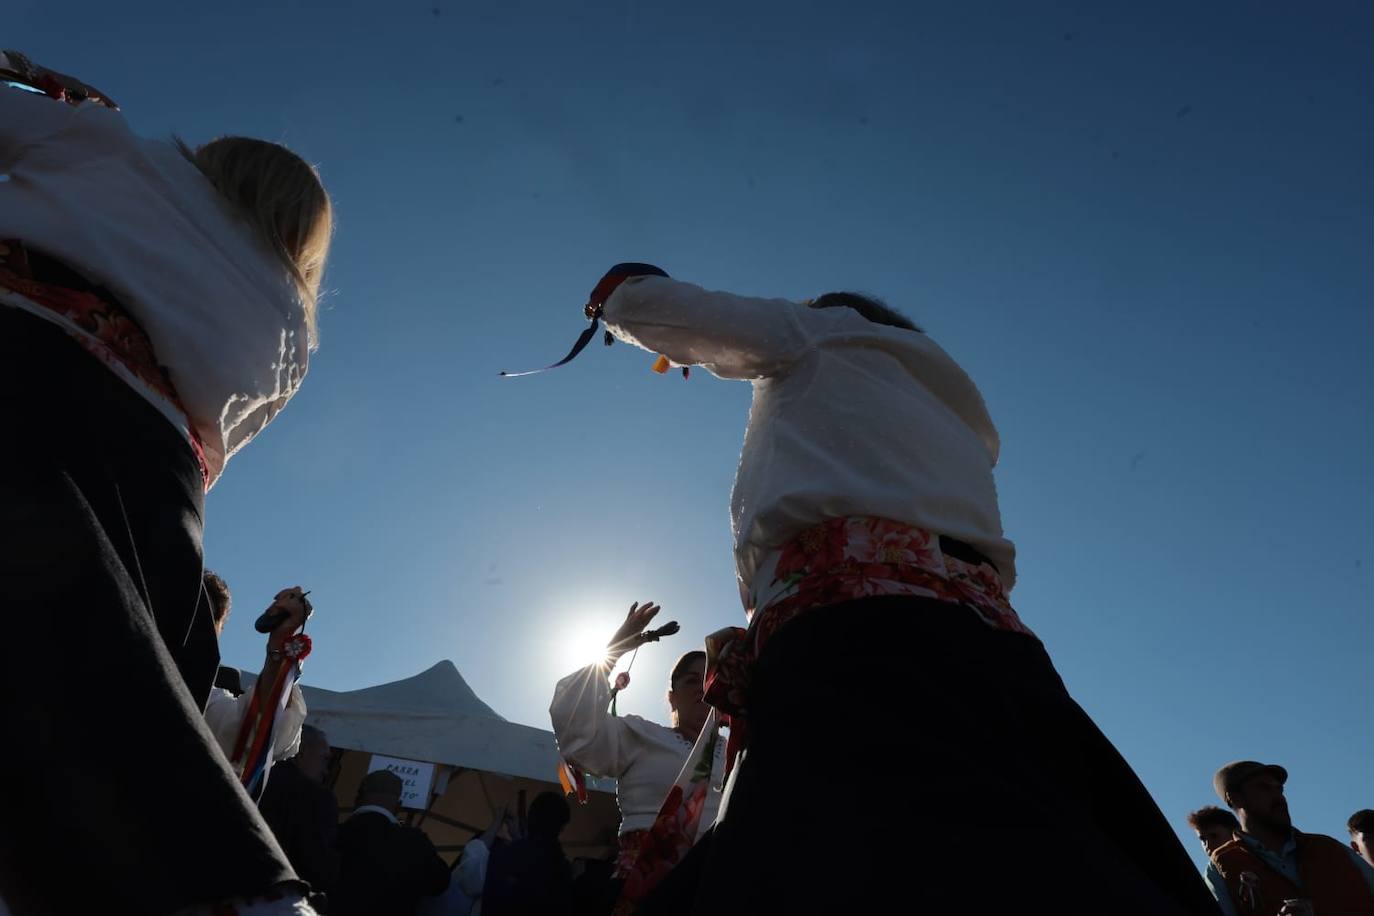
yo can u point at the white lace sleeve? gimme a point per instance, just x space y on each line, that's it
587 733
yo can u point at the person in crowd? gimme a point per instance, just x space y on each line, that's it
217 600
165 296
464 894
224 711
1270 869
882 643
384 867
644 757
1361 827
471 873
531 876
1214 826
594 887
303 813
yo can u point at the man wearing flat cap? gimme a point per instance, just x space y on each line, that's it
1270 869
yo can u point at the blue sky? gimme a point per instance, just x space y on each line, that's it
1144 229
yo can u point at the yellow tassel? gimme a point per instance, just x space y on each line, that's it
661 365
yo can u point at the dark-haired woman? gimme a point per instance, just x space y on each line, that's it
644 757
886 688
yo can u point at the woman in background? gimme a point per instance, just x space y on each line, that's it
644 757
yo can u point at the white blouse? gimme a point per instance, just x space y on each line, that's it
644 757
135 216
850 418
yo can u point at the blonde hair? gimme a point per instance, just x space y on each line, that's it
281 196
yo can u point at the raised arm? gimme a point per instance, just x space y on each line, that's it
225 713
587 733
735 337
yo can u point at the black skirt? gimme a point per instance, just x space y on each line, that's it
905 757
117 797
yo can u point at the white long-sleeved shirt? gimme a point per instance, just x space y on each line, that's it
645 758
850 418
224 714
135 216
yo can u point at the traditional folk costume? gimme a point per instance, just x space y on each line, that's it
146 334
644 758
890 702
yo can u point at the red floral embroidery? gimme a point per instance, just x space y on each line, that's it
840 560
814 549
663 845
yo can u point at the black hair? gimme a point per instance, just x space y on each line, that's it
875 310
382 783
683 663
548 815
218 594
1212 816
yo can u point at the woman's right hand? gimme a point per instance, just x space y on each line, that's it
626 638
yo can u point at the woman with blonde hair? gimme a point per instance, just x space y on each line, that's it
157 310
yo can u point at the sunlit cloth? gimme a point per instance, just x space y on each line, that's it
223 311
849 417
224 713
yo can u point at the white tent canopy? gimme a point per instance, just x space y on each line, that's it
432 716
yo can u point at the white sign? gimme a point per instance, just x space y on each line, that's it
416 775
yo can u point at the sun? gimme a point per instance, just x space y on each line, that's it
579 646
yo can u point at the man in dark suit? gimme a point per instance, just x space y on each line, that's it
384 868
304 814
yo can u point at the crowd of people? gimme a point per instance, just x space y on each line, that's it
372 864
1259 863
165 295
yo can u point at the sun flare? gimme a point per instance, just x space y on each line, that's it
581 646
